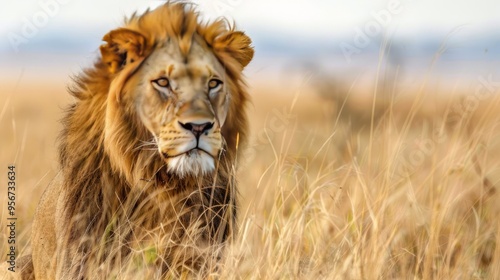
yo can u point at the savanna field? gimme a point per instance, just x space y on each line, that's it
341 181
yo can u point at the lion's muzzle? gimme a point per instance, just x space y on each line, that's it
192 143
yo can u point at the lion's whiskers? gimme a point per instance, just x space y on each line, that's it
151 145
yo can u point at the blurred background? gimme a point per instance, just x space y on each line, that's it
454 41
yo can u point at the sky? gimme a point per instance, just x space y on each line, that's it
282 29
302 16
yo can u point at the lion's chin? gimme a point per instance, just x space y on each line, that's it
194 162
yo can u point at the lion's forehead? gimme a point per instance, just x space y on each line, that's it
200 63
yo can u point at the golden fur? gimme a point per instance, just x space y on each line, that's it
115 194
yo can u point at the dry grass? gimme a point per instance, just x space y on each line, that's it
334 187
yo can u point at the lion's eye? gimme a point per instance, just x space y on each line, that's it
214 84
162 82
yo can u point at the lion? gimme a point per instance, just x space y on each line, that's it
148 153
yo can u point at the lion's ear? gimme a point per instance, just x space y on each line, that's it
237 45
123 46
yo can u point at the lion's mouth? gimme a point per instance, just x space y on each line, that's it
195 161
189 153
196 151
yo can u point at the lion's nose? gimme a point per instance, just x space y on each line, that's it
197 129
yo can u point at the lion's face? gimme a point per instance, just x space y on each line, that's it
183 101
172 83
